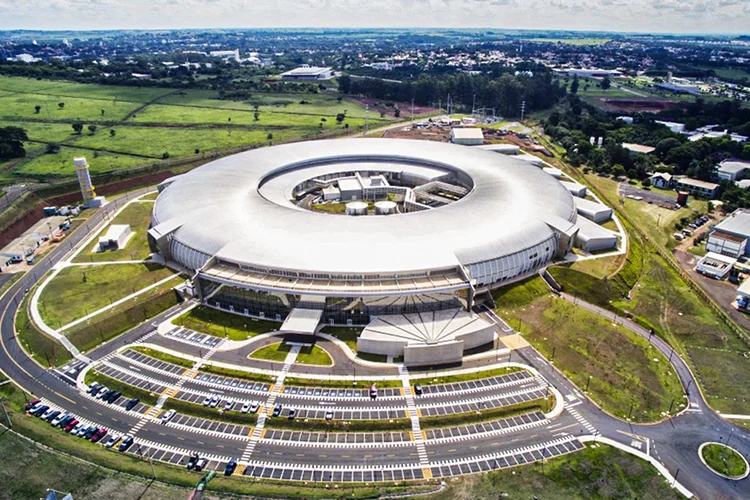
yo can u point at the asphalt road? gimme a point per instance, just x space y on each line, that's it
674 442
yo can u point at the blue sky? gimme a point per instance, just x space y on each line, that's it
677 16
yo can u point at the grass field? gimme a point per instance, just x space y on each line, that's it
724 460
45 350
61 88
80 290
347 335
597 472
138 216
625 370
308 355
223 324
16 105
61 164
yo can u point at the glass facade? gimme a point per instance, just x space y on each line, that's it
495 271
336 310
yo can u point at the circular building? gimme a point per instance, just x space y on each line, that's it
264 235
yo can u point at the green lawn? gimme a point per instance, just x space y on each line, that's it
45 350
160 113
724 460
79 90
308 355
46 132
625 370
178 141
138 216
543 405
80 290
61 164
128 391
464 377
76 108
340 384
597 472
347 335
223 324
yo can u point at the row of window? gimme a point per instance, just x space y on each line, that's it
510 266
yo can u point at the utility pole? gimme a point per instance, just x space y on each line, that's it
523 109
473 104
412 111
367 117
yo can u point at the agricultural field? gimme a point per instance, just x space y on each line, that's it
178 123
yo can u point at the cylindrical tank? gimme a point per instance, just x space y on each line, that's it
356 208
682 198
385 207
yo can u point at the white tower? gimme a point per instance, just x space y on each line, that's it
87 188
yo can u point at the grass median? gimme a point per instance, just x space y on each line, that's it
308 354
320 425
198 410
427 379
340 384
45 350
543 405
724 460
127 390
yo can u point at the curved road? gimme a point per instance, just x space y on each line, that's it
674 443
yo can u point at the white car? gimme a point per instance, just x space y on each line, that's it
112 440
245 408
102 391
77 428
206 401
167 416
47 413
214 402
254 408
56 421
83 430
228 405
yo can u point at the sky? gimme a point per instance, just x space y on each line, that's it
659 16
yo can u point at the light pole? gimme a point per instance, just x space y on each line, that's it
587 383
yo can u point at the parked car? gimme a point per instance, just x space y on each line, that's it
254 408
292 413
112 440
39 410
131 404
93 387
167 416
126 443
74 430
373 392
245 408
31 404
104 393
228 405
65 421
214 402
418 389
200 464
679 236
191 461
90 433
98 435
329 415
114 397
277 410
83 430
70 425
52 416
59 418
230 467
207 401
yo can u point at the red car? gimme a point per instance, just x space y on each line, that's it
98 435
71 424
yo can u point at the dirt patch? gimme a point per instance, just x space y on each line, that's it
634 104
649 196
378 105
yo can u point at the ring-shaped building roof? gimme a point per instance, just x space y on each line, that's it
239 209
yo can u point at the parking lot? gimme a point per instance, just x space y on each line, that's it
346 438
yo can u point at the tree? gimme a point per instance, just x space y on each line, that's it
340 117
11 142
197 151
618 171
92 129
164 155
574 85
61 105
269 136
77 127
345 84
256 116
112 132
605 83
396 113
52 148
37 108
102 112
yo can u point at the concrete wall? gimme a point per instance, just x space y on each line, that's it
432 354
381 346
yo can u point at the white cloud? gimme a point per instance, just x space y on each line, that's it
714 16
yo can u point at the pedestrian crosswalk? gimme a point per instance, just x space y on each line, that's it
416 430
585 423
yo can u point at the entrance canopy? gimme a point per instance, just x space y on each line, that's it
302 321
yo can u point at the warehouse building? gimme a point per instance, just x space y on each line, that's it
715 265
594 238
467 136
730 236
592 210
307 72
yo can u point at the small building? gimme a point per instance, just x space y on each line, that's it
697 188
635 149
715 265
331 193
729 237
592 237
116 236
661 180
733 170
554 172
350 189
307 72
576 189
592 210
534 160
468 136
677 128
